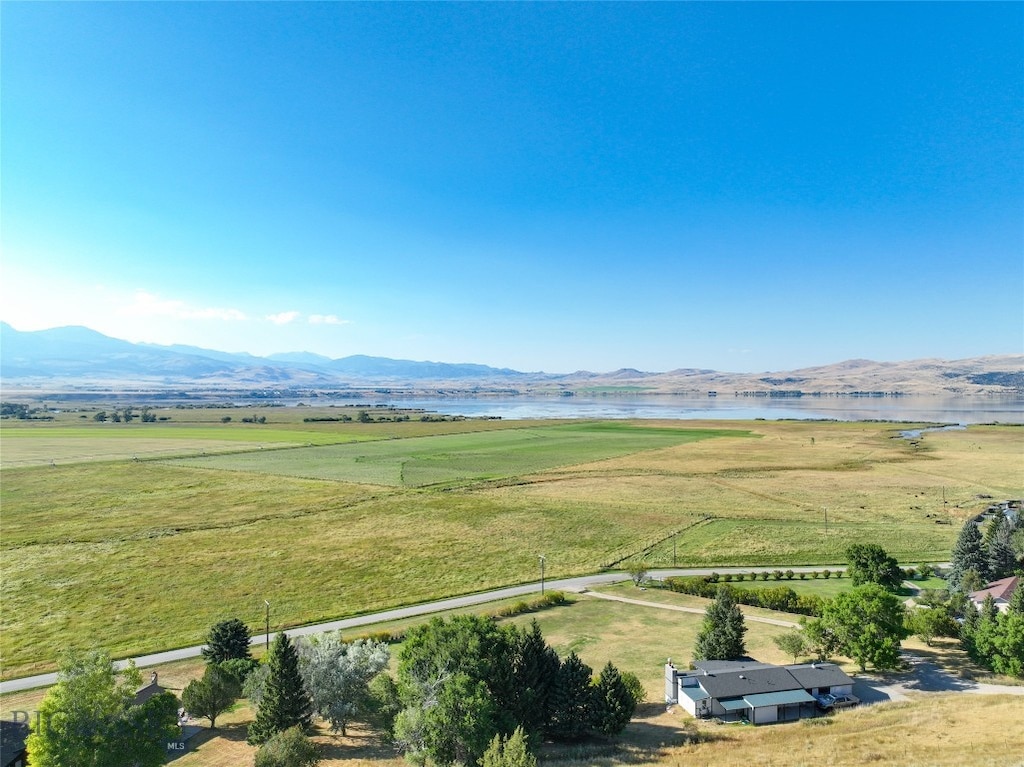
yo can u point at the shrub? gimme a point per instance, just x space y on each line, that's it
803 576
814 575
777 574
290 748
727 577
789 575
826 574
764 575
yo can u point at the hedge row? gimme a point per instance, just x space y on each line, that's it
780 598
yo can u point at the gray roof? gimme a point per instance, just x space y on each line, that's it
778 698
12 740
715 666
734 684
819 675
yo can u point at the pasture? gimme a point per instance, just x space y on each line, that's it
138 556
448 458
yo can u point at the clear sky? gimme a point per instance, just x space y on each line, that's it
745 187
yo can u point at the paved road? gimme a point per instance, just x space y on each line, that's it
427 608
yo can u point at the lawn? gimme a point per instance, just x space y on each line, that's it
142 556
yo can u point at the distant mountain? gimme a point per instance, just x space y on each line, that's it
73 355
78 352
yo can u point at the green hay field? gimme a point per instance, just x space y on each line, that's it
143 556
417 462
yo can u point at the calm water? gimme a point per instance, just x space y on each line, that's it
955 410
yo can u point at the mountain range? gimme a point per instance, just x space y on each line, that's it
78 355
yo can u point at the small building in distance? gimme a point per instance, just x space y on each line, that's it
757 692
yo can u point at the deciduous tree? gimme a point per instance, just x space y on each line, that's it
88 719
338 674
870 563
212 695
289 748
868 623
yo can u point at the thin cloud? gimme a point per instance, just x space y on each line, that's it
283 318
327 319
146 304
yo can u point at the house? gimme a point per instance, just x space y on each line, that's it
757 692
147 692
12 743
1000 590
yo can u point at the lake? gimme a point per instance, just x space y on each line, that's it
931 409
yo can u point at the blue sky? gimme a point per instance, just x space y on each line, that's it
745 187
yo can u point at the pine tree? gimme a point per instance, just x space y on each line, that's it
721 633
513 752
1002 559
612 703
967 555
535 667
570 700
1016 604
285 702
226 640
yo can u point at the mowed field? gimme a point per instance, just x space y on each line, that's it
138 556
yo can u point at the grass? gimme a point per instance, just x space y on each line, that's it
417 462
933 730
142 556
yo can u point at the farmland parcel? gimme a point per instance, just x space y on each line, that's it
144 555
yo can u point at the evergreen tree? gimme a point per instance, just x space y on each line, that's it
535 668
612 704
967 555
226 640
1016 604
285 702
721 633
1002 559
968 629
570 700
513 752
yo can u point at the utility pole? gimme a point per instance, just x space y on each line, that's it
674 549
826 519
541 558
267 603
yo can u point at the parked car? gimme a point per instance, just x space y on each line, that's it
827 702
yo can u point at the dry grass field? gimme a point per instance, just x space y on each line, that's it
138 556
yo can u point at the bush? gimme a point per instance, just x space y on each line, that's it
777 574
815 575
826 574
290 748
789 575
727 577
764 575
635 686
803 576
